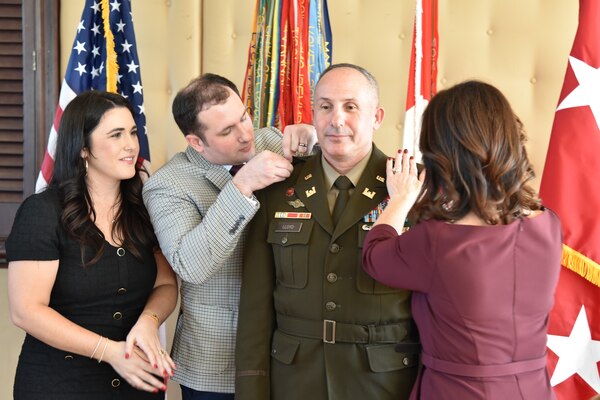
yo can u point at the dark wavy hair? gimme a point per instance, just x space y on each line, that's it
201 93
473 148
132 222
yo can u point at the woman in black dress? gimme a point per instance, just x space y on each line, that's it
86 279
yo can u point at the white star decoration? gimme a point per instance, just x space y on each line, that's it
80 27
120 26
126 45
132 67
577 354
96 29
79 47
137 88
96 51
115 5
586 94
95 7
142 109
81 68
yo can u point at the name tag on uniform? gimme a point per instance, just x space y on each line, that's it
288 226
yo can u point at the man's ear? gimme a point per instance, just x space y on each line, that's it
195 142
379 113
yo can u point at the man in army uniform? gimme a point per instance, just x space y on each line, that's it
312 325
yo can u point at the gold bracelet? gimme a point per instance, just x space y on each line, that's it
103 350
153 316
96 348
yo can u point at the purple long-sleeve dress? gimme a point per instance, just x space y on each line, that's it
482 295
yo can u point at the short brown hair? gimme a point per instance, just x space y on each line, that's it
473 148
201 93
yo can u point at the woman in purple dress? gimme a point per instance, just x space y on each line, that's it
483 257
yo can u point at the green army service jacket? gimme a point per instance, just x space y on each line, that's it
312 324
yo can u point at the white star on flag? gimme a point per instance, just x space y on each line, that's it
577 354
79 47
126 46
115 6
137 88
120 26
132 67
586 94
80 27
81 68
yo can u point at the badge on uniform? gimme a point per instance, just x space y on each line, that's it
369 193
372 215
310 191
297 215
296 203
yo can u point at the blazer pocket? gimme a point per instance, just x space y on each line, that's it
284 348
384 358
289 240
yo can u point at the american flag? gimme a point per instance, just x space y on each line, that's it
103 57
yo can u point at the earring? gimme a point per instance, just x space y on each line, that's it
447 206
86 165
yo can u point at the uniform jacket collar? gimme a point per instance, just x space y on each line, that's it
368 193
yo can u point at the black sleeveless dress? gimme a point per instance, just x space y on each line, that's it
106 298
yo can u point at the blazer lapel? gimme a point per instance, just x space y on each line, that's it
214 173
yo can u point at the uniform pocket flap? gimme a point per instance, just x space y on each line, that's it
384 358
287 232
284 348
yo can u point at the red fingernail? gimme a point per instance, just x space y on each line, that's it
126 355
155 365
155 390
411 158
164 388
405 151
399 151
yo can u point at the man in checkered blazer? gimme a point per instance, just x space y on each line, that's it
200 213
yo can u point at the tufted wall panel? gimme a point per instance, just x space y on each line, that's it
519 46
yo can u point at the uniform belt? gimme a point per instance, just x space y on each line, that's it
333 331
483 371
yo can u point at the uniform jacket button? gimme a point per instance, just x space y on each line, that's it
331 277
115 383
117 315
330 306
68 357
122 291
334 248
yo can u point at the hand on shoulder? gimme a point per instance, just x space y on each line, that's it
261 171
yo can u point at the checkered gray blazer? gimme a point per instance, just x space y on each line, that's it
200 219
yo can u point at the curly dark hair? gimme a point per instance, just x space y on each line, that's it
132 222
473 148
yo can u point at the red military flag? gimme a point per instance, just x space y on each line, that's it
290 47
570 187
422 72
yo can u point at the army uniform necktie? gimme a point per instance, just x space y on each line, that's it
343 184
